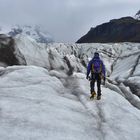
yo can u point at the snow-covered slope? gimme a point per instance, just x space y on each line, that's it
35 105
50 100
35 32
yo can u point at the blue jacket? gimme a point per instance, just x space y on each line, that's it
89 67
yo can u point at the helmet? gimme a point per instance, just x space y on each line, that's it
96 54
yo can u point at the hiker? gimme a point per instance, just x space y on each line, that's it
97 69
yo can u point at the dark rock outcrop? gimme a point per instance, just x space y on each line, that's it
7 51
126 29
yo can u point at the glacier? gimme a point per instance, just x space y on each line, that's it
47 96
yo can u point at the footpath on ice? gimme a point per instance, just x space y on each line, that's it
36 104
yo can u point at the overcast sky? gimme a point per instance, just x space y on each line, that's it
65 20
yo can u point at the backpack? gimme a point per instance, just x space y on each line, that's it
96 66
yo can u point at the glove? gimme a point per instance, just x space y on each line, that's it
87 77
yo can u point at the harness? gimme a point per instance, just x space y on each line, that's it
93 71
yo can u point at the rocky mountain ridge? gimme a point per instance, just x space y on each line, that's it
125 29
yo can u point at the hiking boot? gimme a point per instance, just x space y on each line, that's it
99 97
93 95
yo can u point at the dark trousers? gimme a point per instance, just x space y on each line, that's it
95 77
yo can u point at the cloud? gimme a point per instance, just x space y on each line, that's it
67 20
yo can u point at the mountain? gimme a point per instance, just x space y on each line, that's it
35 32
45 94
126 29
